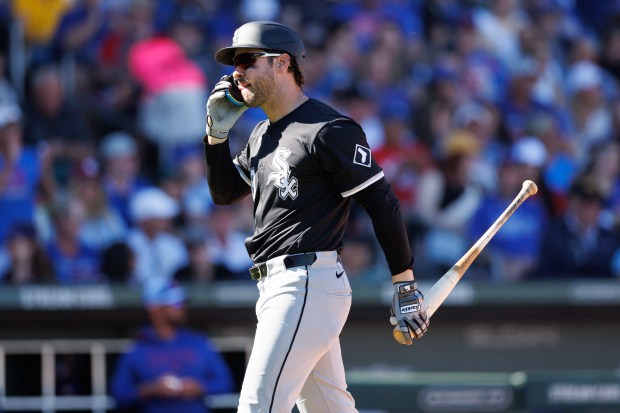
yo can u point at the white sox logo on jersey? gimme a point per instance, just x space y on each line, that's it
282 175
362 156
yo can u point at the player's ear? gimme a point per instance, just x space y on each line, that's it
283 61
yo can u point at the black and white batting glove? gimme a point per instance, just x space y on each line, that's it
408 312
224 108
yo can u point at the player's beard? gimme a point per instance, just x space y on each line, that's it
262 89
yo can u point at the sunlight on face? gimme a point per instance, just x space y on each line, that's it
261 87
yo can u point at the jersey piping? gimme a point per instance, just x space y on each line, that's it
303 307
363 185
240 170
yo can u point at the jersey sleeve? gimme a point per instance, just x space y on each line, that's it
387 220
342 150
226 180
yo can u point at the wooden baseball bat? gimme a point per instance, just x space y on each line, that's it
444 286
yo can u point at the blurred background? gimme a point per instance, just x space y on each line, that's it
103 192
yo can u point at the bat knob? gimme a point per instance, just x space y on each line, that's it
530 187
400 337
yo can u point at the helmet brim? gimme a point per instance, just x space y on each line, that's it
226 55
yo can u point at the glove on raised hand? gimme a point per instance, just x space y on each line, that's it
224 108
408 312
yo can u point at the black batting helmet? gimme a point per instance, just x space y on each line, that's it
263 35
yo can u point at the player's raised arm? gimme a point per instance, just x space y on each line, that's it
224 107
228 182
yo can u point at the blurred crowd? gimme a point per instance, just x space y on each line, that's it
102 111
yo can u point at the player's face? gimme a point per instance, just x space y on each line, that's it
255 79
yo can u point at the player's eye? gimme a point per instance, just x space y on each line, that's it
245 60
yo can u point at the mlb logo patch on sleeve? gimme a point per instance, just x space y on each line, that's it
362 156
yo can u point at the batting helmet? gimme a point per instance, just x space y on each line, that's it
263 35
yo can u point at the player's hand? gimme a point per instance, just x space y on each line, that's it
223 109
408 312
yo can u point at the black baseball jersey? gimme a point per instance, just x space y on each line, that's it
302 172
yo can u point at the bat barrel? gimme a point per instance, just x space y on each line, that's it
442 288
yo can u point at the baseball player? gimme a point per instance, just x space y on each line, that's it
303 166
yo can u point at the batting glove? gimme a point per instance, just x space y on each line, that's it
224 107
408 313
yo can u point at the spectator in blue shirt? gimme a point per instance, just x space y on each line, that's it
20 171
54 119
74 261
580 244
121 171
81 31
169 368
513 252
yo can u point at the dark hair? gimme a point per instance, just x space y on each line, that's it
42 268
42 265
117 262
22 229
587 187
294 68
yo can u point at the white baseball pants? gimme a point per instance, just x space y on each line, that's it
296 355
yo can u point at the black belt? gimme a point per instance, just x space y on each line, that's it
258 271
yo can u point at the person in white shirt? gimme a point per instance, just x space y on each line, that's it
158 251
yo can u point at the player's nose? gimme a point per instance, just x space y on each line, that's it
238 72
